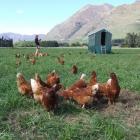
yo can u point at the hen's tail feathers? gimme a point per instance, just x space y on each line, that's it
82 76
95 89
109 81
34 85
18 74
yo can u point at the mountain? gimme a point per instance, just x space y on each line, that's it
119 20
137 1
19 37
82 22
124 19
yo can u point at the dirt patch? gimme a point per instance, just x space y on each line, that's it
127 108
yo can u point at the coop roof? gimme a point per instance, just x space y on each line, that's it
98 30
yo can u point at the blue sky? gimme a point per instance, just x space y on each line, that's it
39 16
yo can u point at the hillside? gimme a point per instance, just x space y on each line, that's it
124 19
119 20
82 22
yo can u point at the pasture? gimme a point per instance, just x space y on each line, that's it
23 118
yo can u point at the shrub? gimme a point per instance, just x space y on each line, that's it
24 44
64 44
118 42
75 44
32 44
132 40
51 44
6 42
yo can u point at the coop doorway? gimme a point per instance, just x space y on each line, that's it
103 37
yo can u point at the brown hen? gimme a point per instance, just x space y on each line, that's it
39 80
24 87
110 89
52 79
93 79
46 96
74 69
79 84
61 60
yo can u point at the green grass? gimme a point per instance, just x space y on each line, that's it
23 118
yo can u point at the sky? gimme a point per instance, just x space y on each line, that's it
40 16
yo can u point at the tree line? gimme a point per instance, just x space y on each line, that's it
6 42
32 44
132 40
49 44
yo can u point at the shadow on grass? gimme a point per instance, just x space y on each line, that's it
67 108
72 108
126 98
99 105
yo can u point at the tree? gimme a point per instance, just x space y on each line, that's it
52 44
138 40
75 44
118 42
131 40
64 44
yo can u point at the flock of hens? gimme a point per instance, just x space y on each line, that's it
84 93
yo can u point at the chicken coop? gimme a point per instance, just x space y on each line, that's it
99 41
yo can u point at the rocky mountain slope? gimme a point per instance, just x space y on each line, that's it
119 20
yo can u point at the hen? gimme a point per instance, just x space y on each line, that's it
17 55
61 60
74 69
83 96
24 87
50 99
39 80
67 94
18 62
46 96
93 79
37 90
79 84
110 89
52 79
79 92
46 54
32 60
114 86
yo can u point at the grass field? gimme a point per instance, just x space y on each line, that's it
23 118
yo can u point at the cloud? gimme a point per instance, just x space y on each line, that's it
19 11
